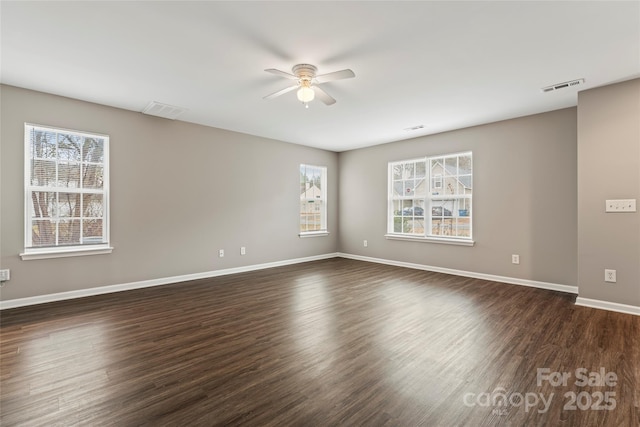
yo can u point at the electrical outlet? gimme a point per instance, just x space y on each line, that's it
610 276
5 275
620 205
365 243
243 250
221 253
515 259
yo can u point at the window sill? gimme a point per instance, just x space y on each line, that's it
63 253
313 234
441 240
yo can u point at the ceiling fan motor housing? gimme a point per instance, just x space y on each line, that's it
304 71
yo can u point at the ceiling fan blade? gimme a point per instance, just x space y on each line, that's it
323 96
281 73
336 75
281 92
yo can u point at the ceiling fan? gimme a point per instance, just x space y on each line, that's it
307 83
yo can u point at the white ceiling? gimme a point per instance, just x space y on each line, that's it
444 65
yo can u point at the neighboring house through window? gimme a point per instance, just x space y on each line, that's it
66 193
313 200
430 199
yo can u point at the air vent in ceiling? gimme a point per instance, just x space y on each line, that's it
163 110
412 128
563 85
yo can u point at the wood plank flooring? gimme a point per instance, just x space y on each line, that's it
328 343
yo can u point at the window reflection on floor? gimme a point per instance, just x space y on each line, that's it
313 318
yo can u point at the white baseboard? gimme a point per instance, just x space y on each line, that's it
61 296
606 305
491 277
41 299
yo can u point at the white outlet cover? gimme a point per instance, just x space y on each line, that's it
610 276
620 205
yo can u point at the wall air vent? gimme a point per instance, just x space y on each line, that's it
163 110
563 85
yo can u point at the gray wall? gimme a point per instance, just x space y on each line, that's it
179 192
609 168
539 188
524 199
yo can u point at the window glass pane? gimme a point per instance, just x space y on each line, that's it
398 188
409 170
465 205
93 176
43 233
451 165
397 207
413 208
436 183
92 230
311 182
437 172
69 232
397 224
43 204
416 225
43 173
69 147
407 206
43 144
437 164
68 205
408 187
406 226
421 187
464 164
421 169
463 227
465 184
397 171
442 208
69 175
93 205
93 150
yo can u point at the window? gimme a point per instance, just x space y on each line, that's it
430 198
313 200
66 193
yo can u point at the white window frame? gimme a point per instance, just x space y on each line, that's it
58 250
428 200
323 231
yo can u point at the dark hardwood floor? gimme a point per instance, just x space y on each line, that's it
326 343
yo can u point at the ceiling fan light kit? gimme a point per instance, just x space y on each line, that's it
308 83
306 94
